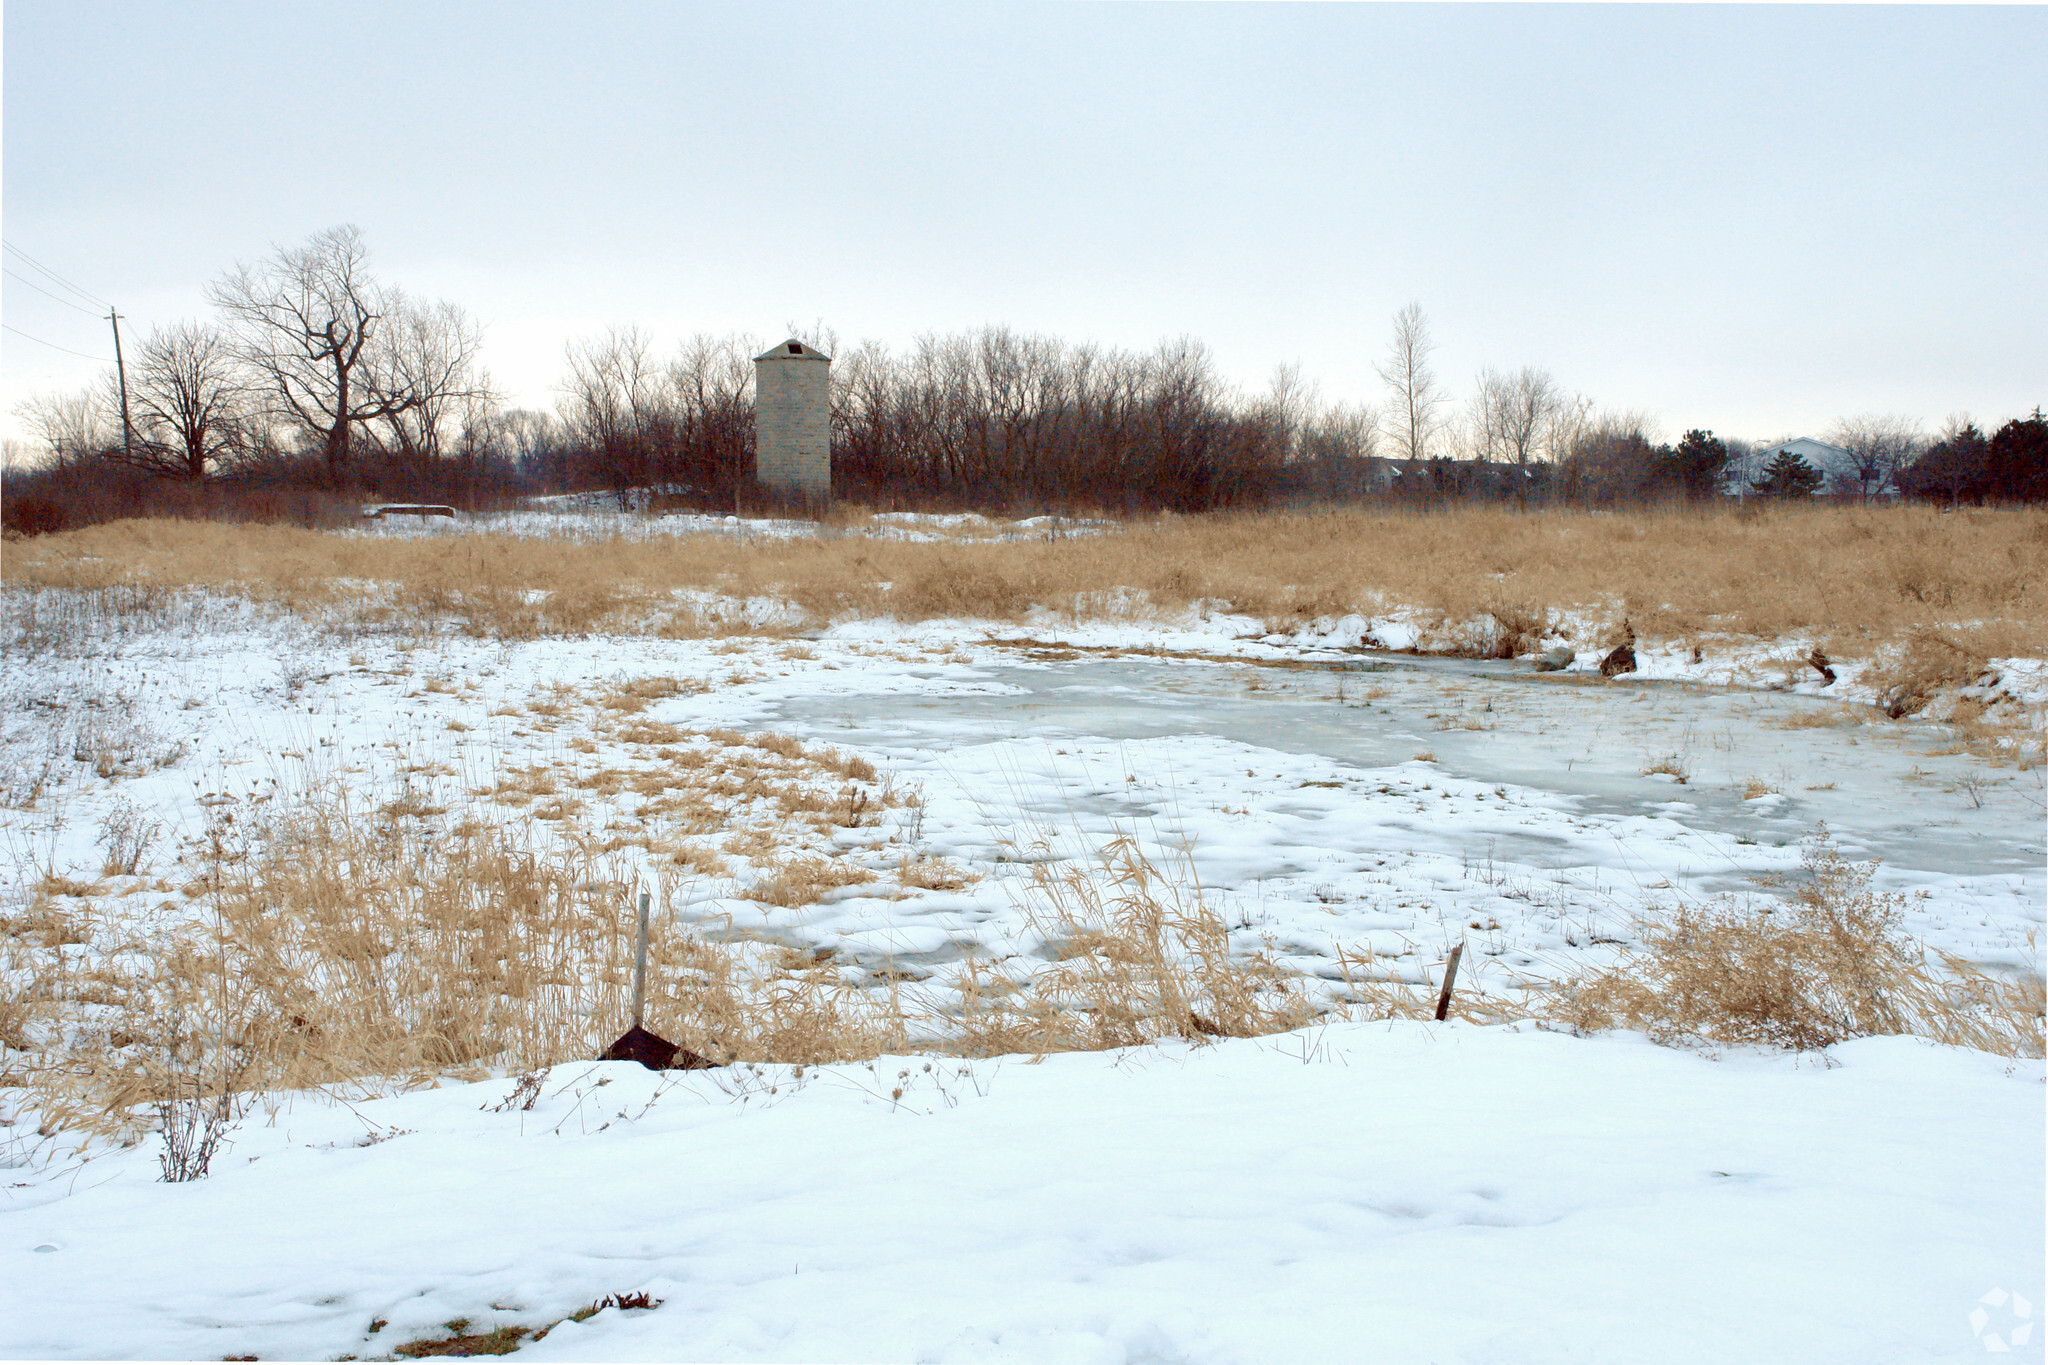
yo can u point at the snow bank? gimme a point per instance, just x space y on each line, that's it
1396 1192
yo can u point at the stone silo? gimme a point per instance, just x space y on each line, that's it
793 420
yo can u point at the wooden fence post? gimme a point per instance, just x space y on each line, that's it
1443 1000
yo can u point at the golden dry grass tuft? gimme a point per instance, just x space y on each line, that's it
806 880
934 874
459 1341
632 697
1827 718
334 945
326 940
1830 963
18 986
1672 766
1137 955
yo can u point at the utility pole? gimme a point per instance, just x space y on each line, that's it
127 429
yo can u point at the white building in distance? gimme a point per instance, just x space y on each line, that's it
1840 474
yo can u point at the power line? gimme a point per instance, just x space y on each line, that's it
23 279
85 294
51 344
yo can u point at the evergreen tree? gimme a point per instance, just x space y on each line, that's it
1788 477
1954 469
2016 464
1695 465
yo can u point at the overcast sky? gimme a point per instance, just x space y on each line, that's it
1752 218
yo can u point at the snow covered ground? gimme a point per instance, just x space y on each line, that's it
1398 1191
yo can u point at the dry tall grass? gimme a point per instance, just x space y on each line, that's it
1860 578
1827 964
1137 955
338 946
333 944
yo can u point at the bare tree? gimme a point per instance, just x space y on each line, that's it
187 396
1344 431
1511 414
72 426
1412 415
707 437
1880 447
1004 417
423 367
1568 425
534 443
1291 404
819 336
609 403
1612 457
1484 415
304 321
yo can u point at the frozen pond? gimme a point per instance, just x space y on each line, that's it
1883 787
1333 802
1400 803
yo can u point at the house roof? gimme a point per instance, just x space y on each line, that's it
1819 447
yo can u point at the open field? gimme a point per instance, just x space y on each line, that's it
1853 579
971 844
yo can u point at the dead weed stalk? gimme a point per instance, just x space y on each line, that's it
1828 964
1137 955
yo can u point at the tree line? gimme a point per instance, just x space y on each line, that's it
314 375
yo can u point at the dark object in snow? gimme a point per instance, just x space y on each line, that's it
655 1053
636 1044
1443 1001
1820 661
1621 660
407 509
1555 658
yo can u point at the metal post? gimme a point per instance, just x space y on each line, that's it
640 964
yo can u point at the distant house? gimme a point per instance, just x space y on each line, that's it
1839 470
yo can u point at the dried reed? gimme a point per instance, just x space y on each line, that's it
1861 578
336 947
1828 964
1137 955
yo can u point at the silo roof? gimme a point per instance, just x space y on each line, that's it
793 349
